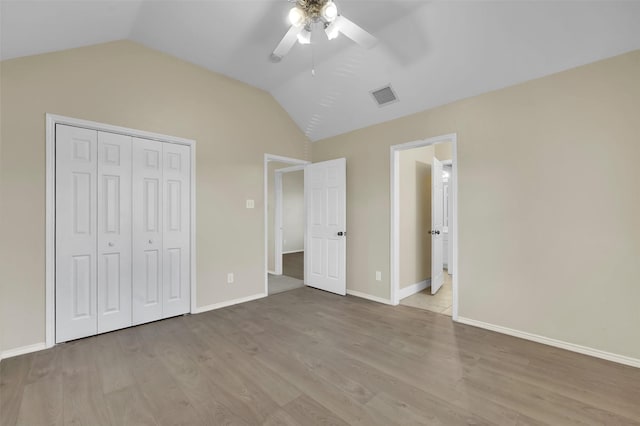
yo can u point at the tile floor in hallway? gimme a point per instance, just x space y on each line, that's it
441 302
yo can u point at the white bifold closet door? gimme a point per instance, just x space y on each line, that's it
147 230
93 232
122 231
114 232
76 233
176 255
161 230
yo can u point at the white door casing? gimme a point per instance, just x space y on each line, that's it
450 229
437 221
277 223
76 229
176 235
114 232
147 230
325 200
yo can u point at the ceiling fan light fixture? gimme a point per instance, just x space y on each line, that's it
333 30
329 11
297 16
304 37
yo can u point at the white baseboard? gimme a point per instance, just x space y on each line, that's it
621 359
207 308
22 350
369 297
292 251
414 288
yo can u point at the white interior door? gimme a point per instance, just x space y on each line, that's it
325 251
147 230
437 221
177 236
114 231
76 229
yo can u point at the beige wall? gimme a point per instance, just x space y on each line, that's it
548 203
444 151
125 84
415 214
293 211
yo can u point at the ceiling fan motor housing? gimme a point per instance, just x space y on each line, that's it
313 9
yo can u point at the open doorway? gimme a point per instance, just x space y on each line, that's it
423 225
284 224
325 220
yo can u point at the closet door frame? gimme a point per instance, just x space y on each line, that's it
50 226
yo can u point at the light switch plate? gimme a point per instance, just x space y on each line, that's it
251 204
378 276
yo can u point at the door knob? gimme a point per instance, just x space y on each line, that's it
434 232
341 233
150 242
110 244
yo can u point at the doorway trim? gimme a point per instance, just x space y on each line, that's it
277 230
50 210
297 164
450 262
395 214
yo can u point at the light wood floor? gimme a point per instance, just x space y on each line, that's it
306 357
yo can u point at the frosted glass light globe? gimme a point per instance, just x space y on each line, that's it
297 16
330 11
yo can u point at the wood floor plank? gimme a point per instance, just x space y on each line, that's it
82 393
45 364
13 377
308 412
42 403
280 390
127 407
307 357
209 389
280 418
114 369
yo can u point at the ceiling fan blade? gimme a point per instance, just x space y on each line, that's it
286 43
355 33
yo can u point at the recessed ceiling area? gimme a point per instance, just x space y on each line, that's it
432 53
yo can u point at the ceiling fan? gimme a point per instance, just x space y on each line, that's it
309 14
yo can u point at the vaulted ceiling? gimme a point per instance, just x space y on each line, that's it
431 53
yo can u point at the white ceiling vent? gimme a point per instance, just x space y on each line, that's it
384 96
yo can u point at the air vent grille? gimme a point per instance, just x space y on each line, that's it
384 96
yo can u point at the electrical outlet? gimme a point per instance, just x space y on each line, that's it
378 276
230 278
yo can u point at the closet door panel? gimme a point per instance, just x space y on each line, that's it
176 235
147 230
114 231
76 231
